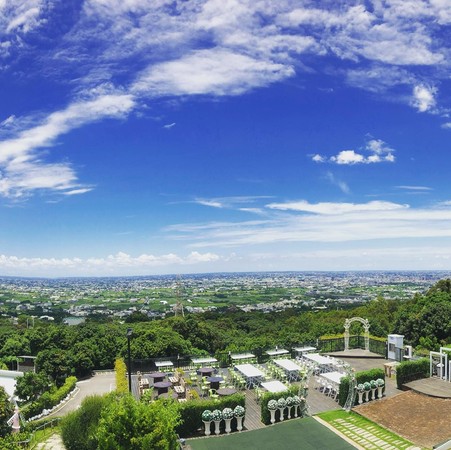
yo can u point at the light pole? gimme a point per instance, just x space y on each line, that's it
129 335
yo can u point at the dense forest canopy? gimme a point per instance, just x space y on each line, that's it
425 321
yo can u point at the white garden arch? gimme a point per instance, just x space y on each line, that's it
365 324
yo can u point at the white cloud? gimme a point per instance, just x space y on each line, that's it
341 184
22 169
446 125
169 126
210 72
118 263
424 97
335 208
415 188
380 152
303 222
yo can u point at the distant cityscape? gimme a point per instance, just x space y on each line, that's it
74 299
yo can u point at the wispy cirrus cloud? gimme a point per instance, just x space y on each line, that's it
22 170
378 151
243 203
303 222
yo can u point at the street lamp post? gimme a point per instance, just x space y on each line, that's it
129 335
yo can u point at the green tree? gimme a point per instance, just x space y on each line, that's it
6 412
128 424
32 385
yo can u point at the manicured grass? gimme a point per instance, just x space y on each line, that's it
364 432
305 434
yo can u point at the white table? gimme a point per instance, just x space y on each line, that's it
253 374
319 359
291 368
240 356
274 386
278 352
335 377
161 364
204 361
303 350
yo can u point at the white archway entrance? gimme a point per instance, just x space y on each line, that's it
365 324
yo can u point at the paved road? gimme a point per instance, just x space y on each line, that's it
99 384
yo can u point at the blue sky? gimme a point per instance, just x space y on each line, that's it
150 136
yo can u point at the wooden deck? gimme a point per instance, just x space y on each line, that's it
433 387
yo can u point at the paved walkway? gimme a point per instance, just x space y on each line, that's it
54 442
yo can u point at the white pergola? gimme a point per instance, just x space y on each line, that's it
440 360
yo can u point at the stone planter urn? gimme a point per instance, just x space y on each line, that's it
281 404
290 403
217 426
296 403
272 406
239 412
207 419
227 415
207 427
216 415
380 387
373 389
367 391
360 392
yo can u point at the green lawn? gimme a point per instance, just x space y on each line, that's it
305 434
364 432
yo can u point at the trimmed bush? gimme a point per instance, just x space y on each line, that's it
361 377
191 412
265 414
412 370
48 400
121 376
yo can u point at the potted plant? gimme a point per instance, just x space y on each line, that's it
216 415
367 387
360 390
272 406
281 404
227 414
373 389
290 404
238 412
296 403
206 419
380 386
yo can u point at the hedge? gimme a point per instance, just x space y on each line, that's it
121 376
191 412
48 400
361 377
265 414
412 370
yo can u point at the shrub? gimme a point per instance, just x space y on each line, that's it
78 429
361 378
49 400
268 396
121 376
191 412
412 370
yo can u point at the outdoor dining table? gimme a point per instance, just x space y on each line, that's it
252 374
162 386
214 382
277 352
157 376
241 356
302 350
274 386
335 377
203 361
291 369
164 364
206 371
223 392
